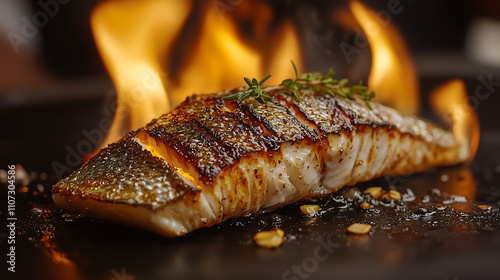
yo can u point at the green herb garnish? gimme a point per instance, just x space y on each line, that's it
325 84
254 89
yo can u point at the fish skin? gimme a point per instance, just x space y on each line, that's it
245 158
124 173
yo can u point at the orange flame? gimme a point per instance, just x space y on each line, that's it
132 35
392 75
393 78
222 58
450 101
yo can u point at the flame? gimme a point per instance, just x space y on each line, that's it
392 75
221 57
131 37
451 102
393 78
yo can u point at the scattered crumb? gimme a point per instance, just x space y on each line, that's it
309 209
394 195
357 228
455 199
484 207
270 239
408 196
365 205
375 192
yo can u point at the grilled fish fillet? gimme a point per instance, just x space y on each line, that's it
210 160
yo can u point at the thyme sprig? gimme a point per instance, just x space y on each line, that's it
316 81
255 89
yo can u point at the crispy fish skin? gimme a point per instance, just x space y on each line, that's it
210 160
